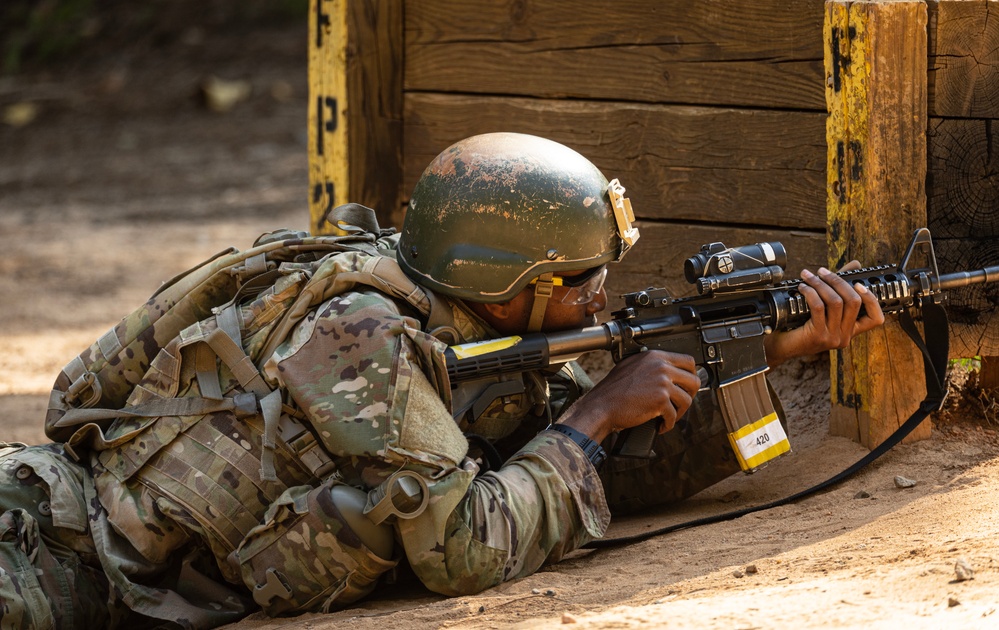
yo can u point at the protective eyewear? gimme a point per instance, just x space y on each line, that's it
581 289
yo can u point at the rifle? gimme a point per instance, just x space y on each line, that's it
742 297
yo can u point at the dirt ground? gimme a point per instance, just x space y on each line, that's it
125 178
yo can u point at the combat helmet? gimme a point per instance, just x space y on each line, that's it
495 211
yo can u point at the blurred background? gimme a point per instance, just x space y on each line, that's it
171 107
136 140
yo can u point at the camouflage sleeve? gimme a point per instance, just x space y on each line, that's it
377 412
545 502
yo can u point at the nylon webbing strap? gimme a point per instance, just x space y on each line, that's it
542 292
152 409
353 218
228 319
935 350
206 370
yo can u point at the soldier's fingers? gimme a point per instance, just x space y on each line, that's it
686 380
851 302
677 403
873 315
823 302
826 287
682 361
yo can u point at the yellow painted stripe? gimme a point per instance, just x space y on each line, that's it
329 161
466 350
774 451
735 449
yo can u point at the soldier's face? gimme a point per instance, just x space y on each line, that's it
562 316
511 318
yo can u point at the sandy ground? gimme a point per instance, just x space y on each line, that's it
104 197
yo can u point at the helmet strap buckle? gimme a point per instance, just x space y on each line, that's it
543 289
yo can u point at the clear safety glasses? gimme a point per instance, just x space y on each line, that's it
582 289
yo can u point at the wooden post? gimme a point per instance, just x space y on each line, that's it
988 378
355 108
876 73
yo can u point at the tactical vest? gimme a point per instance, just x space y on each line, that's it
196 435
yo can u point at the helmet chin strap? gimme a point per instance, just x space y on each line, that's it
543 290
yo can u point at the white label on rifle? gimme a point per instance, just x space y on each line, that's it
757 443
478 348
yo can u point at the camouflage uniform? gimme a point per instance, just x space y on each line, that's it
175 518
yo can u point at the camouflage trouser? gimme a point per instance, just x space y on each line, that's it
694 455
45 578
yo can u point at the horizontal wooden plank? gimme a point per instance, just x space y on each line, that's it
964 58
758 167
657 259
778 28
758 53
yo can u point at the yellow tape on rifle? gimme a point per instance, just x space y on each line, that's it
478 348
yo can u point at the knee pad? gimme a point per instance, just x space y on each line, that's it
307 557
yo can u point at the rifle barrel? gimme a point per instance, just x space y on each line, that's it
965 278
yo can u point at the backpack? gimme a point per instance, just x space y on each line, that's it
284 267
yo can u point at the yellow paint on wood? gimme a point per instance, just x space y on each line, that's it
329 184
847 131
875 69
847 72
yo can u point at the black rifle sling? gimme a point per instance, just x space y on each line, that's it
935 351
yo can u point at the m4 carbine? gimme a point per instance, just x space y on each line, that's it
742 297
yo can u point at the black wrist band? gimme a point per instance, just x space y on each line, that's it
593 451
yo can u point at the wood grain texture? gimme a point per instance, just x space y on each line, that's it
729 166
974 310
963 178
876 91
329 183
355 107
374 111
756 53
963 216
964 58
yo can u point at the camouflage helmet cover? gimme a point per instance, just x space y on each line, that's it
494 211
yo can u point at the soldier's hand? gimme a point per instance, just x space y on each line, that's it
836 317
641 387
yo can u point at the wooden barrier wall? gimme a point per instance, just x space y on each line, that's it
712 113
716 129
962 186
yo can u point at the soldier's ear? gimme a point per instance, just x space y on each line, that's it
499 311
496 315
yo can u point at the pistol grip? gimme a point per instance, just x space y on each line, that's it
637 441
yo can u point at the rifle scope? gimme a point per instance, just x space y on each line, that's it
718 268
